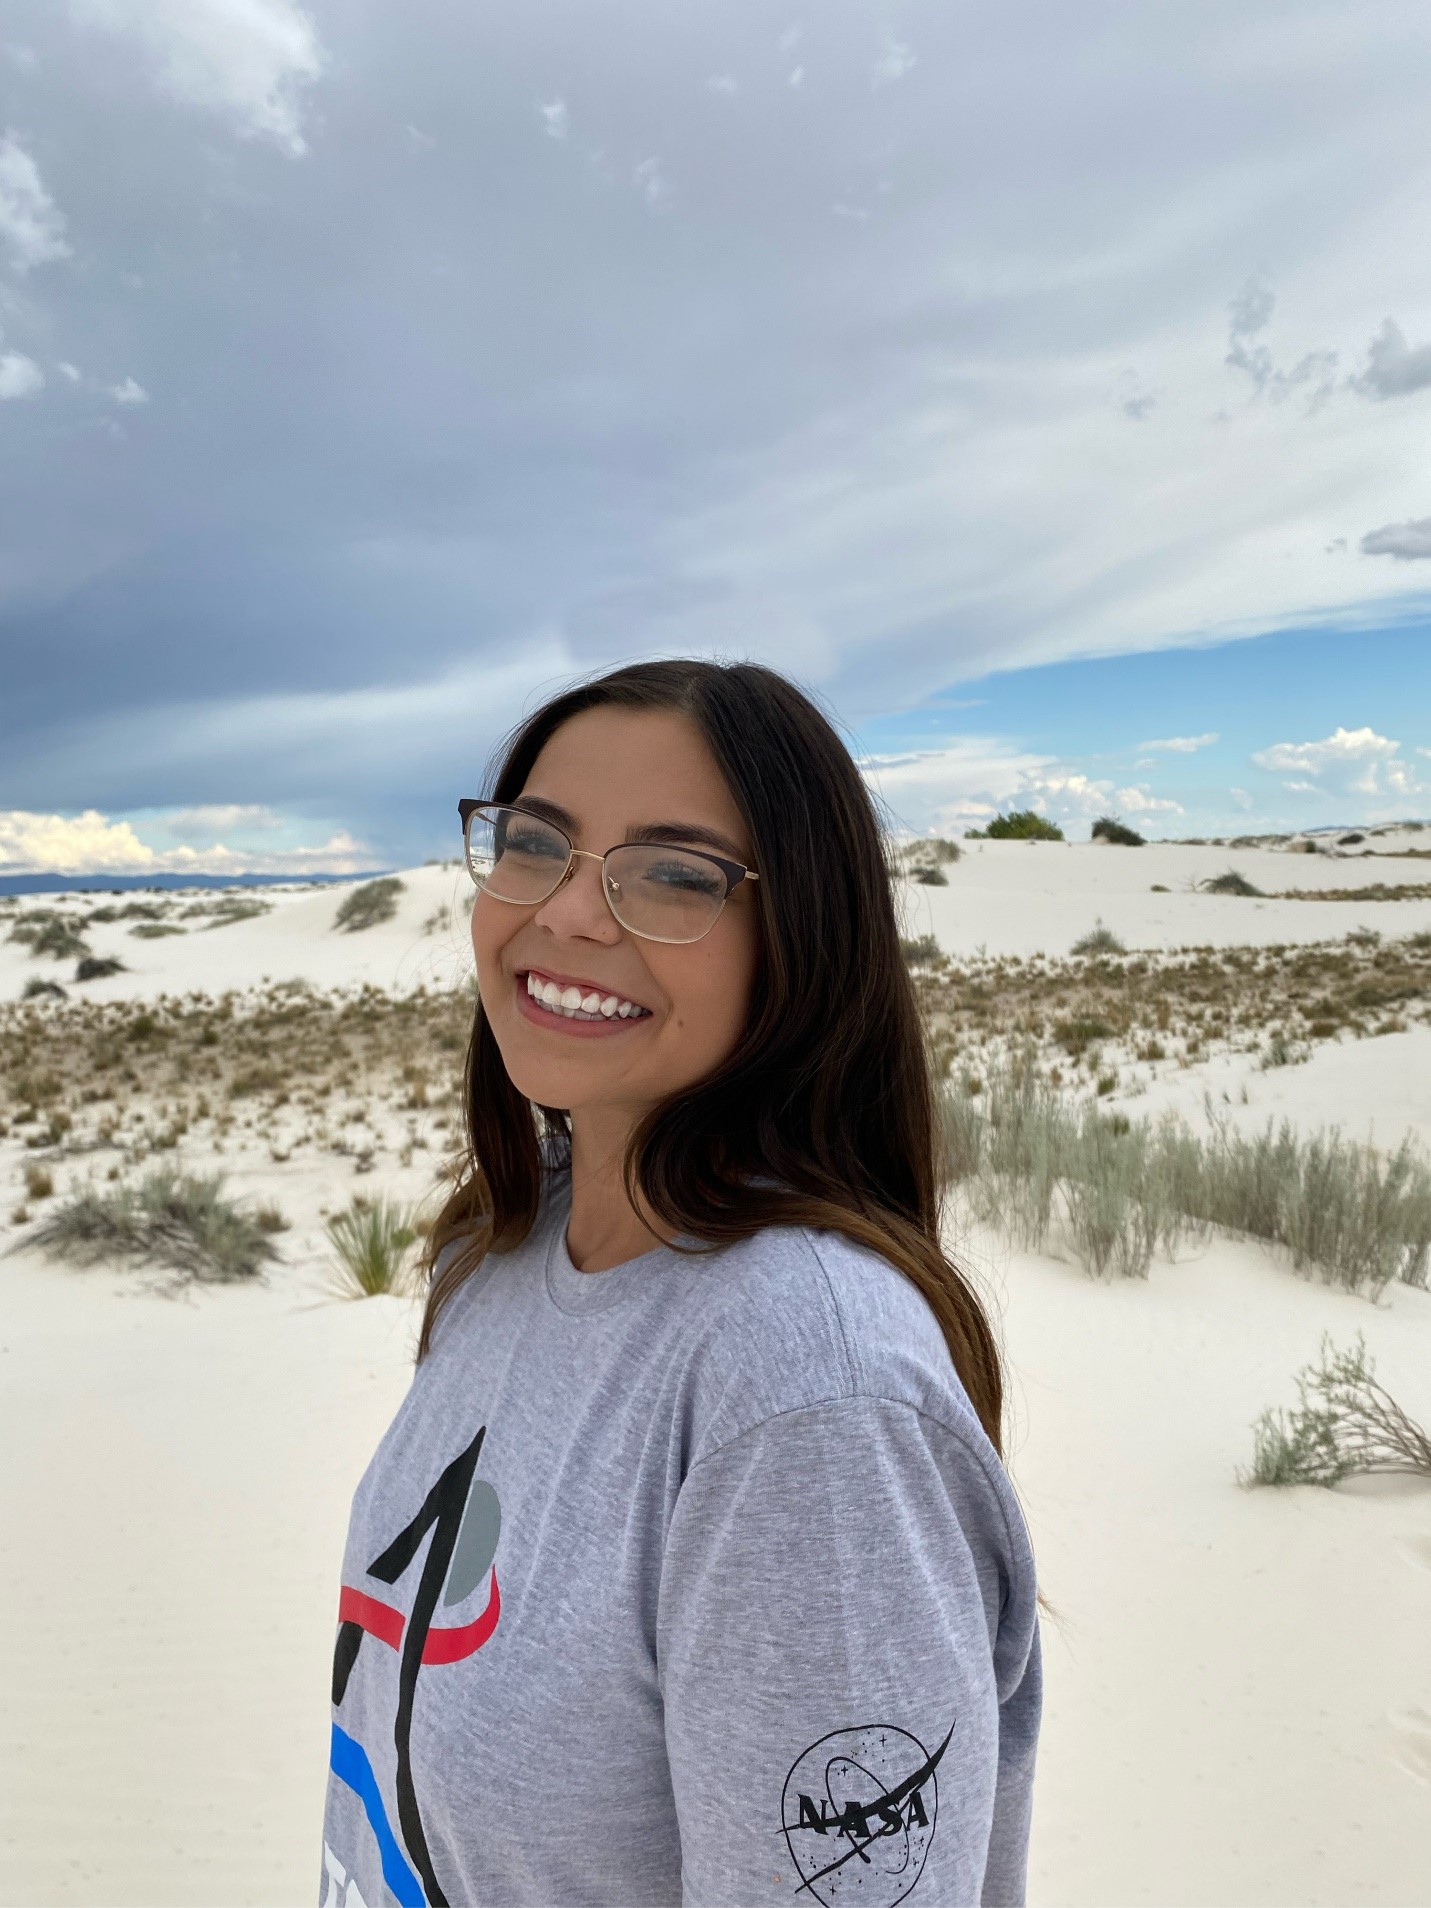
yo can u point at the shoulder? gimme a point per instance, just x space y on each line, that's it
802 1318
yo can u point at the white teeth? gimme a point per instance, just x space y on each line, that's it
571 1002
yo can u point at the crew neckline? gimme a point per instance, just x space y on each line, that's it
572 1290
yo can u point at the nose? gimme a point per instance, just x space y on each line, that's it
578 910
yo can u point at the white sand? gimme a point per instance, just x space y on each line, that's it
1238 1702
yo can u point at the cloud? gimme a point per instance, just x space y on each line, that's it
555 118
128 391
208 820
20 377
1249 314
248 61
1394 368
32 228
894 62
971 778
655 188
1349 761
1407 541
70 371
1181 744
725 83
93 843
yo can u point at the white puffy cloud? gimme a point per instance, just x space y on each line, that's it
555 118
19 376
1181 744
32 228
1407 541
1349 761
247 60
209 820
94 843
128 391
1394 368
971 778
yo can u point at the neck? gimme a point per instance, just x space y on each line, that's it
604 1229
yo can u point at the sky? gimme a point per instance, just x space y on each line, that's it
1045 389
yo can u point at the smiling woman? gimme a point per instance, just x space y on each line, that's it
724 1584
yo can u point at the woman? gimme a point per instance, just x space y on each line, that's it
688 1570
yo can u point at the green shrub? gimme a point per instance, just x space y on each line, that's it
369 905
919 952
1109 828
38 989
44 931
1230 883
155 930
370 1238
1345 1422
1358 1217
39 1182
180 1220
1098 940
930 877
97 967
1020 824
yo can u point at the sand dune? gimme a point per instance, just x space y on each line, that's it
1239 1689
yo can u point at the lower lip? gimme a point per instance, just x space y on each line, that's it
583 1029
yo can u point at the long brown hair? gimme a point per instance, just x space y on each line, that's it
829 1091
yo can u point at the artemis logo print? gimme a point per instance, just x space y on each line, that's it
859 1812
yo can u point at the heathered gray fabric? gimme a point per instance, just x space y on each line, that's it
751 1546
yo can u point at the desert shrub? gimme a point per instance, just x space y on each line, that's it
98 967
1345 1422
1109 828
1020 824
369 905
155 930
227 909
180 1220
930 877
369 1239
1349 841
270 1218
1230 883
38 989
1098 940
39 1182
920 951
44 931
1358 1217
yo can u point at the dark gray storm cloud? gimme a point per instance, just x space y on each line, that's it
397 362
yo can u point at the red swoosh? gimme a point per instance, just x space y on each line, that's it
442 1645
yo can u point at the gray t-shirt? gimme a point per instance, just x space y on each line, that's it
695 1581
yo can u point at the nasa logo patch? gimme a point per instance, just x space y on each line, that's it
859 1812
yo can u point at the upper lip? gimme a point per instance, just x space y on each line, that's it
575 980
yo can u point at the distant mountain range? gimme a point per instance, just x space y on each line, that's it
119 884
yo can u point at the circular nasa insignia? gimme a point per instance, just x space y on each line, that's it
859 1811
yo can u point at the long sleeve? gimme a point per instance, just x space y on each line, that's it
849 1660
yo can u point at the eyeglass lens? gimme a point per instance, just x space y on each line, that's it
666 893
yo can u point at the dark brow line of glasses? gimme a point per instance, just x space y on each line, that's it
734 871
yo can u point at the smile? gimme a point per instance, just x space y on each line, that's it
547 1002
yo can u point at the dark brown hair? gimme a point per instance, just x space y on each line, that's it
828 1093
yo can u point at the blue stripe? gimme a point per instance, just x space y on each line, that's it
350 1764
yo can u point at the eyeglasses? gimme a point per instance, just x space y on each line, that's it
656 890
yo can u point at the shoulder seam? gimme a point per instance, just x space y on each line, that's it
809 1238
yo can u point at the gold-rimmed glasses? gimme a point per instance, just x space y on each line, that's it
659 891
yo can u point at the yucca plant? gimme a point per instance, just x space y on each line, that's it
370 1238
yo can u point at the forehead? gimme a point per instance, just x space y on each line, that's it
616 767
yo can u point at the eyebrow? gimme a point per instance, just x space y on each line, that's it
693 832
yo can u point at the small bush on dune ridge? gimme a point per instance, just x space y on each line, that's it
1350 1423
370 1238
1109 828
1024 1157
1098 940
370 905
920 951
1020 824
175 1219
1230 883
